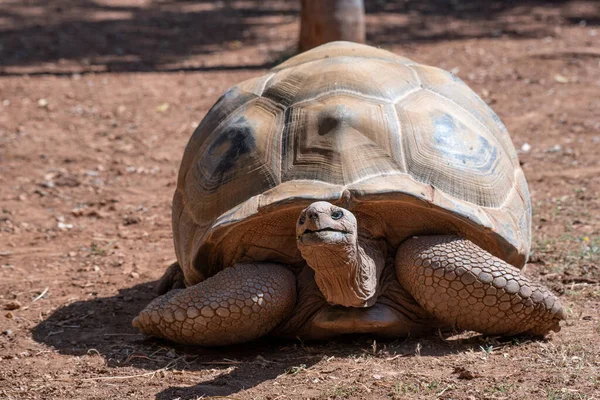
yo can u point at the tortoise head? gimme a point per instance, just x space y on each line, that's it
347 268
324 224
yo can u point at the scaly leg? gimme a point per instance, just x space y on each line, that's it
468 288
236 305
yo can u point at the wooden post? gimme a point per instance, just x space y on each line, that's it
323 21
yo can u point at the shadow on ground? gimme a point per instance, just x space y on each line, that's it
448 20
103 326
147 37
163 36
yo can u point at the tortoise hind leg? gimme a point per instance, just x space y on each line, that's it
171 279
468 288
236 305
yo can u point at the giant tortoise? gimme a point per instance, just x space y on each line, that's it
349 190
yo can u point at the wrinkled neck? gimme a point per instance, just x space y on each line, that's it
348 274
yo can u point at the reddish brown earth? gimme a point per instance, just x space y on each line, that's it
97 101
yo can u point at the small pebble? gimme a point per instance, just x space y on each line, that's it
554 149
12 305
64 227
131 220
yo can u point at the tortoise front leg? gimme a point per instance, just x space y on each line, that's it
236 305
172 279
464 286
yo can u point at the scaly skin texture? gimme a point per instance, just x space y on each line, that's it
468 288
350 275
236 305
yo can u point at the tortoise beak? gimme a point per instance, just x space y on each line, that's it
315 220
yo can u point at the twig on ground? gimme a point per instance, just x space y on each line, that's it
64 323
107 378
441 336
580 279
123 334
444 390
576 52
122 377
225 362
40 295
398 356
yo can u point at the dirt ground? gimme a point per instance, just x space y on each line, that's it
97 101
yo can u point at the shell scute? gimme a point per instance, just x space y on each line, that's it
454 89
237 160
321 140
445 149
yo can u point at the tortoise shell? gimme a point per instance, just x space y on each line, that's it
408 148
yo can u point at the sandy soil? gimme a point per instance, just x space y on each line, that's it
97 101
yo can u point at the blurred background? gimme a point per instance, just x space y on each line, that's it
97 102
40 36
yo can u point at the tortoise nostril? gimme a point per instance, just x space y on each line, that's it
313 215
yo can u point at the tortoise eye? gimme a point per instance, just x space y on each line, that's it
337 214
302 220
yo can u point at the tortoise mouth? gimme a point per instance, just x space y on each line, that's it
309 231
325 236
